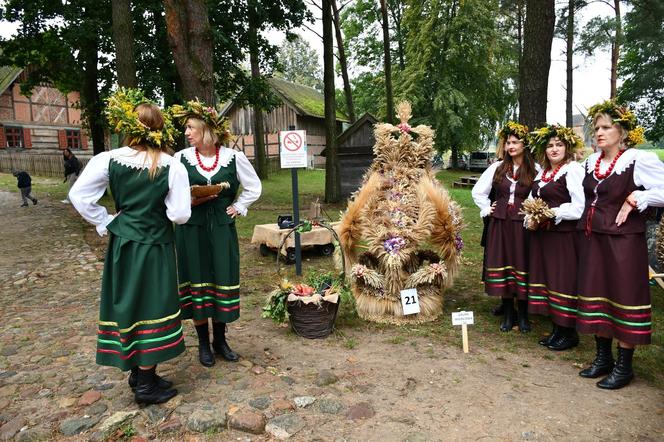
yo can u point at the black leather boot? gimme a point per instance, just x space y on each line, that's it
508 315
622 373
567 338
603 363
497 310
220 345
205 355
522 316
147 391
161 382
546 340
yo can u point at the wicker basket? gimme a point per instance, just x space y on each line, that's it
311 321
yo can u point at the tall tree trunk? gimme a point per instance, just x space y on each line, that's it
570 64
534 69
519 35
90 101
343 64
191 41
123 39
396 13
615 50
260 156
172 88
388 64
332 173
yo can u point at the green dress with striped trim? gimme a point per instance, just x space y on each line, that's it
209 253
139 318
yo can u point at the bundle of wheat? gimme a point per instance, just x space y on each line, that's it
537 213
401 229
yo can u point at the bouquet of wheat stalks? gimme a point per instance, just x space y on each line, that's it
536 213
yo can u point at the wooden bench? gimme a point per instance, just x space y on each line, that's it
466 181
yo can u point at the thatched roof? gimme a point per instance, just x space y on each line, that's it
303 99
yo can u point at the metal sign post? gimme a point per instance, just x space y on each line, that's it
293 143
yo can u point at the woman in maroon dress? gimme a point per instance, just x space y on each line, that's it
614 296
506 264
553 250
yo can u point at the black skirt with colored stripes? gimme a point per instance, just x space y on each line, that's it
552 274
506 264
613 290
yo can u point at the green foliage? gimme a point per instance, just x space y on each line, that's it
251 19
320 281
275 306
361 25
64 43
460 70
599 33
642 65
298 63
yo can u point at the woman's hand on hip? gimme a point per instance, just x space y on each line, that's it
232 211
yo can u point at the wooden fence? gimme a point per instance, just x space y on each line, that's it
39 165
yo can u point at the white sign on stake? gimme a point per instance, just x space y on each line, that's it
463 319
293 148
460 318
410 302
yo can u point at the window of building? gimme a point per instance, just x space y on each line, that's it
14 136
73 138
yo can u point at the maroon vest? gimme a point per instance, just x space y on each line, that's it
607 198
554 194
503 209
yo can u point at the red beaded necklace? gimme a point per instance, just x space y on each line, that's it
547 179
200 163
511 173
600 176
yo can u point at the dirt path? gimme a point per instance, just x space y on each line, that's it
366 383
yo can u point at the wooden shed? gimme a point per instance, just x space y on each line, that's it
355 149
302 107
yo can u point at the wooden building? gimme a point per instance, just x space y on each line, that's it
46 122
302 107
355 150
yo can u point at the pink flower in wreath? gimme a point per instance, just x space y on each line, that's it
404 127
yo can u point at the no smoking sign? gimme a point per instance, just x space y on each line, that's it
293 149
292 141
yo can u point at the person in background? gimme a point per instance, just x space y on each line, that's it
139 316
24 184
72 170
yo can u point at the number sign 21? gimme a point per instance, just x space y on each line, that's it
410 302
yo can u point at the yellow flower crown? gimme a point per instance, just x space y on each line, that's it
621 115
513 128
208 114
539 138
123 118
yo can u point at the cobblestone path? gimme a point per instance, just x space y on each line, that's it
367 384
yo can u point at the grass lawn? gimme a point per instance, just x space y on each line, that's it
466 294
659 152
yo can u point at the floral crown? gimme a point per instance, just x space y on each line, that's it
621 115
208 114
123 118
539 138
513 128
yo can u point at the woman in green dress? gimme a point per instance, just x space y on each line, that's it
139 316
207 245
